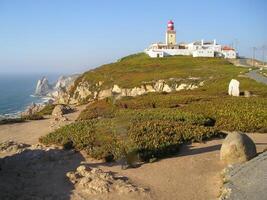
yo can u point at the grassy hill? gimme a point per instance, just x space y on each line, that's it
155 124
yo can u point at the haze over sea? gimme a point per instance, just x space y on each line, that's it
16 92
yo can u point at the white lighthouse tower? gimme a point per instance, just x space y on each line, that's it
170 34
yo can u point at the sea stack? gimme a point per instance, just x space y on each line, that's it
43 87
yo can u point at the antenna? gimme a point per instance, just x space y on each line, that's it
253 57
264 47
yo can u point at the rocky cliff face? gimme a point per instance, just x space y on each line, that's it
45 89
84 92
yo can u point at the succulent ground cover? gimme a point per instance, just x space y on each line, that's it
155 124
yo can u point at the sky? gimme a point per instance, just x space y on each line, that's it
69 36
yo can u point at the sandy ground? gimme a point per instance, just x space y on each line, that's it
194 174
29 132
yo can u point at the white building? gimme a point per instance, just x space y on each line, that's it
196 49
229 52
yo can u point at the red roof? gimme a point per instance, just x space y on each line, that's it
226 48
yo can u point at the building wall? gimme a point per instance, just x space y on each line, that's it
203 53
155 53
229 54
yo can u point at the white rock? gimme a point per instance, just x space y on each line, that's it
105 93
166 88
149 88
159 85
233 89
182 86
116 89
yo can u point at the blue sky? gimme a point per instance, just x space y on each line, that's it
67 36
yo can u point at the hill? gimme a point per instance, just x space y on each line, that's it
142 72
139 107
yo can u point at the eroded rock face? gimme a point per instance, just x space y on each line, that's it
237 148
84 93
43 87
94 181
233 89
61 110
33 108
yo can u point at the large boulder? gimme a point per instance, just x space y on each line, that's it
237 148
61 110
233 89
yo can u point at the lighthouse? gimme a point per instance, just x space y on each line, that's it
170 34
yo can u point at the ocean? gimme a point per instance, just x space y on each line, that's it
17 92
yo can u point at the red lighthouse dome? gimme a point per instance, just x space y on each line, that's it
170 25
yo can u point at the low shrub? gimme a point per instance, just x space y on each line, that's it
234 114
132 131
160 138
47 110
101 108
11 121
33 117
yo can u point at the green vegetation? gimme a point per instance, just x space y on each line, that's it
34 116
154 125
11 121
47 110
133 70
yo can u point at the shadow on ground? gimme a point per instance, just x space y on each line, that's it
38 174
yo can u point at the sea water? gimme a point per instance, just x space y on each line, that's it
17 92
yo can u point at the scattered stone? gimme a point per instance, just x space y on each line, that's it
11 146
61 110
237 148
95 181
233 89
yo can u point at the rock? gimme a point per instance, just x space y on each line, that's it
233 89
182 86
116 89
237 148
247 93
149 88
159 85
11 146
64 81
95 181
246 181
136 91
201 83
43 87
104 94
166 88
61 110
192 87
32 109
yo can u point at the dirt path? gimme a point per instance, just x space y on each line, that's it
29 132
192 175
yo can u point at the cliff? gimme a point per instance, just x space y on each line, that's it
45 89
